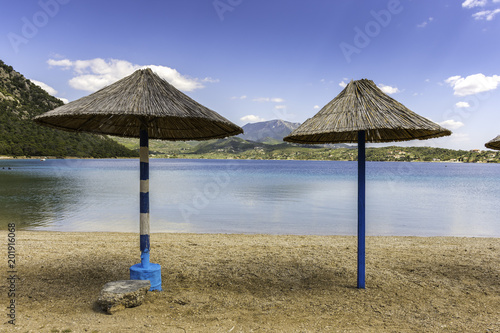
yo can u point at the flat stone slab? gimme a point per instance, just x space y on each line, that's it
118 295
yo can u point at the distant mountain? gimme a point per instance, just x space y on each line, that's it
271 131
20 102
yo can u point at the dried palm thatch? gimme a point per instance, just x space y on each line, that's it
141 99
362 106
493 143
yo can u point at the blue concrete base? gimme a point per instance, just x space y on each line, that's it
152 273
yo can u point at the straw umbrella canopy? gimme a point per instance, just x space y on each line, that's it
493 143
146 106
142 98
363 113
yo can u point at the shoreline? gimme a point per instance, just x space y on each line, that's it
213 158
256 282
117 233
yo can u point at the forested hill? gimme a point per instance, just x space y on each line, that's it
20 102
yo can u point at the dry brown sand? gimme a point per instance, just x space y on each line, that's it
258 283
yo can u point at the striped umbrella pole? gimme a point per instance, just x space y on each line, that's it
145 270
361 209
144 197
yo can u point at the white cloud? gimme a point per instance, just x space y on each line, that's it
462 105
280 107
239 97
316 107
45 87
49 90
451 124
251 119
388 89
473 84
474 3
343 84
94 74
175 78
65 63
267 99
487 15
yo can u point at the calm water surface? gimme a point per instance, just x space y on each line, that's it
230 196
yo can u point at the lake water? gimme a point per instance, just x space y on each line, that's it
234 196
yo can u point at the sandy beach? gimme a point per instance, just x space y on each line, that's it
256 283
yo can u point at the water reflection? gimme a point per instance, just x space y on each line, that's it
287 197
33 199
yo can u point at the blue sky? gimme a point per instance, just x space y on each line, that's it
253 60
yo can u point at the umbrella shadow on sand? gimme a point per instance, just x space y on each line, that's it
363 113
76 280
146 106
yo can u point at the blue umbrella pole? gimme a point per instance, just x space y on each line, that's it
361 209
145 270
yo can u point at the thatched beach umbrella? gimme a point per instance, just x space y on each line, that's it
141 105
493 143
363 113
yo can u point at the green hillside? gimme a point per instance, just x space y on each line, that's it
20 102
237 148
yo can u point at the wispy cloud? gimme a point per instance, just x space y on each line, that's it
239 97
424 24
473 84
486 14
474 3
94 74
210 80
268 99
